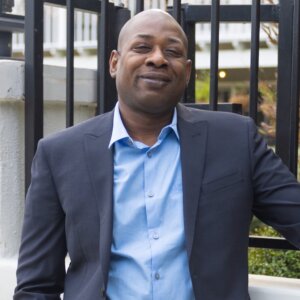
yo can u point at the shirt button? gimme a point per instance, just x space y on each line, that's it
150 194
149 154
157 276
155 236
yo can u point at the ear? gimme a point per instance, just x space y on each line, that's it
113 61
188 71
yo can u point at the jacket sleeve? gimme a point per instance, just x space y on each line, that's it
41 265
276 190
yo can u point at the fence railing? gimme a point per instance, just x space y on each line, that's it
106 22
85 32
286 14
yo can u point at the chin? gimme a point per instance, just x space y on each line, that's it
158 108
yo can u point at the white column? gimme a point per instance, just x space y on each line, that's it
11 170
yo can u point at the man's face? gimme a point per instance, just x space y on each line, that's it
150 67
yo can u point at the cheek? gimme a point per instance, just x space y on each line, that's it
181 70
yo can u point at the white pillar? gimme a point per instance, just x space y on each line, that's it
11 170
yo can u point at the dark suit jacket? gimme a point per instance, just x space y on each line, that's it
228 174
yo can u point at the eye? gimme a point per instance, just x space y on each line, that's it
142 48
173 52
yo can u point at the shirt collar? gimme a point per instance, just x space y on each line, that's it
119 131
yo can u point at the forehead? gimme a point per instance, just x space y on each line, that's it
156 27
165 36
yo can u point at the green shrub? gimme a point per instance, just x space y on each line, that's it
282 263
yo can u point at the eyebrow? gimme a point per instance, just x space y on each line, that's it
149 37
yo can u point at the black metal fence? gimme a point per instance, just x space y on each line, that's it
111 18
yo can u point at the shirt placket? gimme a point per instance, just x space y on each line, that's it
153 218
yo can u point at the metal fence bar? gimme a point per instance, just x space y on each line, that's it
214 54
271 243
5 36
103 33
285 48
34 11
5 44
90 5
111 21
225 107
177 10
189 29
11 23
139 6
295 90
70 64
255 28
233 13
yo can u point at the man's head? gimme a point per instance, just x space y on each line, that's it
151 66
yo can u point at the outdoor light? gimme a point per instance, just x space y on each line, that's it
222 74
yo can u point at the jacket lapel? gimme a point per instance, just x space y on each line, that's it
193 139
100 164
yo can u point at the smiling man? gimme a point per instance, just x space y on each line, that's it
152 200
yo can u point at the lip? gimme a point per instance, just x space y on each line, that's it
155 77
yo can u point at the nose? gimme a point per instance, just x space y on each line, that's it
156 58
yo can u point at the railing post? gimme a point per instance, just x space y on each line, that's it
214 54
284 135
254 65
34 11
5 44
189 28
6 37
295 90
111 20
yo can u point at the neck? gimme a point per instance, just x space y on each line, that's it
144 127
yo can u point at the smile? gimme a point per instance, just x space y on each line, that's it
155 79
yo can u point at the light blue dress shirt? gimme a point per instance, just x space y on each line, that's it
148 255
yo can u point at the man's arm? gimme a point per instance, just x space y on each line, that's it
276 190
41 268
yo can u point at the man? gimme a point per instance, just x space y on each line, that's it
152 200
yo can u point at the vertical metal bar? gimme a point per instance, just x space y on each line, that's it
177 10
285 47
102 57
111 21
34 11
70 64
5 44
139 6
255 28
189 28
6 37
214 54
295 90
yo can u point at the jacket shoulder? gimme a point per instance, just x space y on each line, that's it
196 115
94 126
